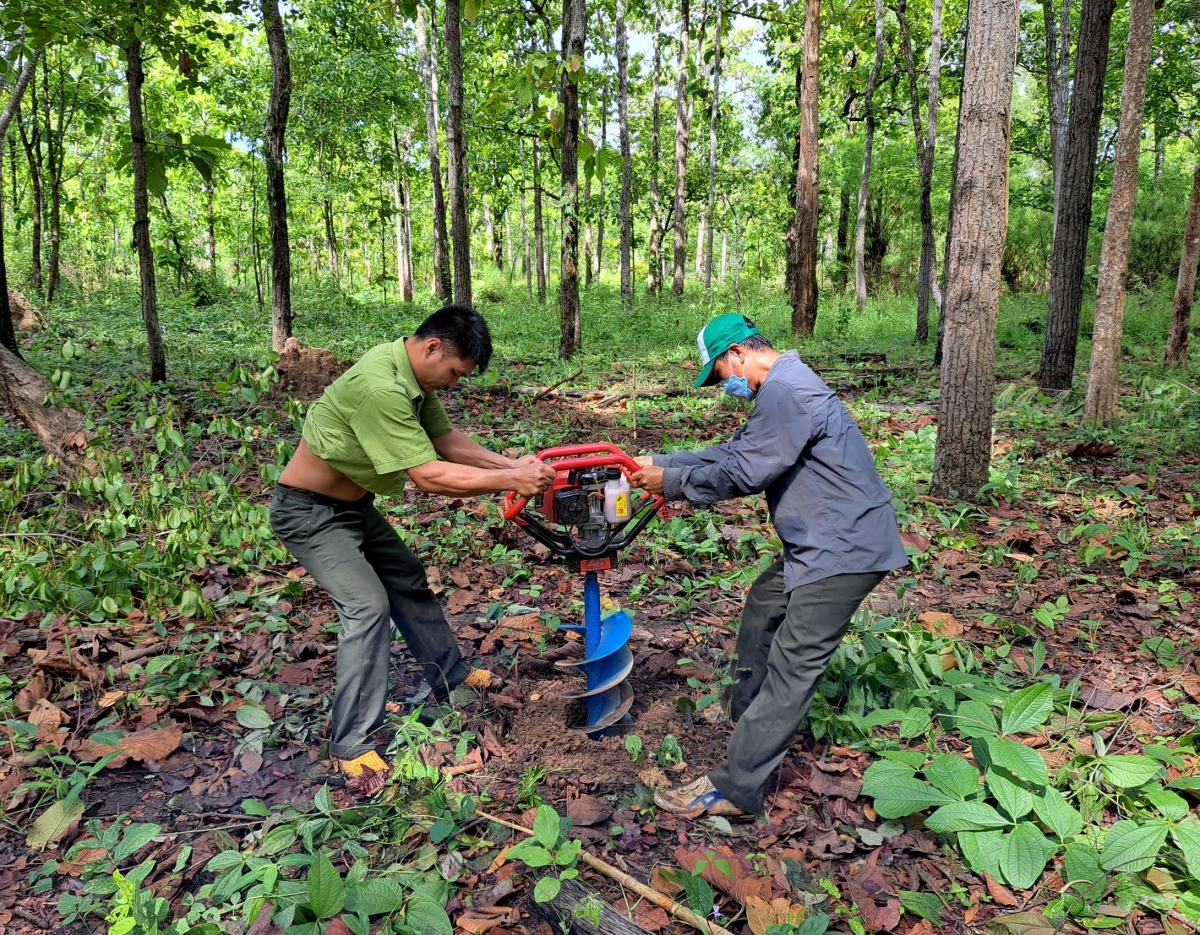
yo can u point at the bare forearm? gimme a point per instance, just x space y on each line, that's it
462 480
458 448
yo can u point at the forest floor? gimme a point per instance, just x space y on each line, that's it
177 740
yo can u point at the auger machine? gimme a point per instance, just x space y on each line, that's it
587 517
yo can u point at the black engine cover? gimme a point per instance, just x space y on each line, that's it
571 507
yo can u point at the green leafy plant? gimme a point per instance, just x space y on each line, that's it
549 848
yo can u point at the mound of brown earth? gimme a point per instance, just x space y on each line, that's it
23 315
304 372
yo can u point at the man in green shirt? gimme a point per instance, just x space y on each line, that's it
377 426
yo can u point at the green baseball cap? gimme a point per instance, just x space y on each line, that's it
716 338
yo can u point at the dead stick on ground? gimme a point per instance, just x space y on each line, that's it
682 913
550 389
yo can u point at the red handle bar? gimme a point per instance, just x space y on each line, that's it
576 457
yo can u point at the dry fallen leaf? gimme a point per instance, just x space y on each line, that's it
47 717
940 624
1000 893
110 698
761 915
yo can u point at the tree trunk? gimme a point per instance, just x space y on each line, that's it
32 141
980 222
681 150
274 131
134 77
864 185
1074 219
842 255
331 243
573 32
1058 88
802 233
714 117
1105 372
527 262
55 146
1185 286
539 227
8 336
603 195
62 431
210 229
626 159
654 239
427 57
587 214
255 248
456 158
926 143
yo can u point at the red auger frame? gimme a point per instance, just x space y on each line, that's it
565 460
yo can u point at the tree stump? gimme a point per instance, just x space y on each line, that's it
560 913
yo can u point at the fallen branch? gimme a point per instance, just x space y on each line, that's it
550 389
674 909
62 432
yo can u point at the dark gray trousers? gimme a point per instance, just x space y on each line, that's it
784 644
373 578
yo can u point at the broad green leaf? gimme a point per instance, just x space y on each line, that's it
900 797
1186 835
1172 805
879 717
966 816
1128 771
1185 783
323 800
256 808
254 717
879 773
1081 868
911 758
915 722
1023 855
532 854
566 855
953 775
1026 709
926 905
1164 755
973 719
135 838
1016 800
1018 759
442 829
427 917
223 861
1129 846
1053 808
546 826
53 823
277 841
374 897
547 888
982 850
324 887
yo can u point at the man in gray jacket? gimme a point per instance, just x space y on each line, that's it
834 515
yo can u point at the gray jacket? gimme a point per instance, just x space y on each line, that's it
803 449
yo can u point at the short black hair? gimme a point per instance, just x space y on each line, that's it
463 331
756 342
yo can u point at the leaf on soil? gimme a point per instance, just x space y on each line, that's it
587 810
875 918
53 823
47 717
151 743
940 624
253 717
730 873
915 541
761 914
1000 893
480 920
110 698
1104 700
1092 450
1022 923
846 787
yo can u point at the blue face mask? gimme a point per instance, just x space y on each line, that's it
737 387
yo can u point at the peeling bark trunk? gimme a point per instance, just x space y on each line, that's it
1104 375
864 185
979 225
626 159
802 233
427 57
655 234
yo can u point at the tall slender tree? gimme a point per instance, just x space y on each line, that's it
1103 384
626 158
681 150
427 60
864 184
1185 285
1074 218
278 106
801 237
979 226
654 278
714 117
456 157
8 336
574 28
539 224
1058 87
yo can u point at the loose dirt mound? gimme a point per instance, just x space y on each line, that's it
23 316
304 372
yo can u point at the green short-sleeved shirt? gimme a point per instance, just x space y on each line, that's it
375 422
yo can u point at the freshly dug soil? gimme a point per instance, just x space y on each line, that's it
304 372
